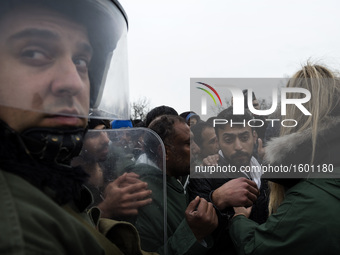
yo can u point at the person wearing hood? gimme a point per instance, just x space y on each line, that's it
304 207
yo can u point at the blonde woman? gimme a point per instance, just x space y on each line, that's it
305 217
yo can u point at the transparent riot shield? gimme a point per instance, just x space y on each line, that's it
128 180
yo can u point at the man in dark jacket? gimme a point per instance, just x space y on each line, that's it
119 198
188 226
240 184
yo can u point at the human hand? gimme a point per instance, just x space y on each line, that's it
211 160
236 192
242 211
201 217
124 196
127 179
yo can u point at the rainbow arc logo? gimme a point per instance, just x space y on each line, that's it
204 101
212 89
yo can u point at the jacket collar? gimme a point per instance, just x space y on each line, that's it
297 147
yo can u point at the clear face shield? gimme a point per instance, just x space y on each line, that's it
60 61
128 179
61 58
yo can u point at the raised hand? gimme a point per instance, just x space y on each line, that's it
124 196
201 217
235 193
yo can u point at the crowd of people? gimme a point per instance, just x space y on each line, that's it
76 179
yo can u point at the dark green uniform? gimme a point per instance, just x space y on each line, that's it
150 220
32 223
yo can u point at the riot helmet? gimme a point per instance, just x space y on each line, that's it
58 59
105 23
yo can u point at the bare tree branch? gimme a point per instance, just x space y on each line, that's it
140 108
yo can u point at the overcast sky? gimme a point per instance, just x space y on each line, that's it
170 42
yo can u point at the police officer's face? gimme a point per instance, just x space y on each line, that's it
44 60
237 144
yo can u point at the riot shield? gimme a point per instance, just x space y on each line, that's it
128 179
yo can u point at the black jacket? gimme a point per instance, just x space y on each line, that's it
205 187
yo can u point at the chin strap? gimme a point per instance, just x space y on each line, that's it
52 145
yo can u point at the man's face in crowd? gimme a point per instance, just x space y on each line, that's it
125 140
44 60
182 151
237 144
209 142
256 104
96 144
192 122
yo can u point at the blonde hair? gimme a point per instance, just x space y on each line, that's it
324 86
276 196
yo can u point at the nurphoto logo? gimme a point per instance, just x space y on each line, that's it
240 94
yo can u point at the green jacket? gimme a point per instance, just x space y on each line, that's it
307 222
32 223
150 220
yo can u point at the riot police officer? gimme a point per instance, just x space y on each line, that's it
57 59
